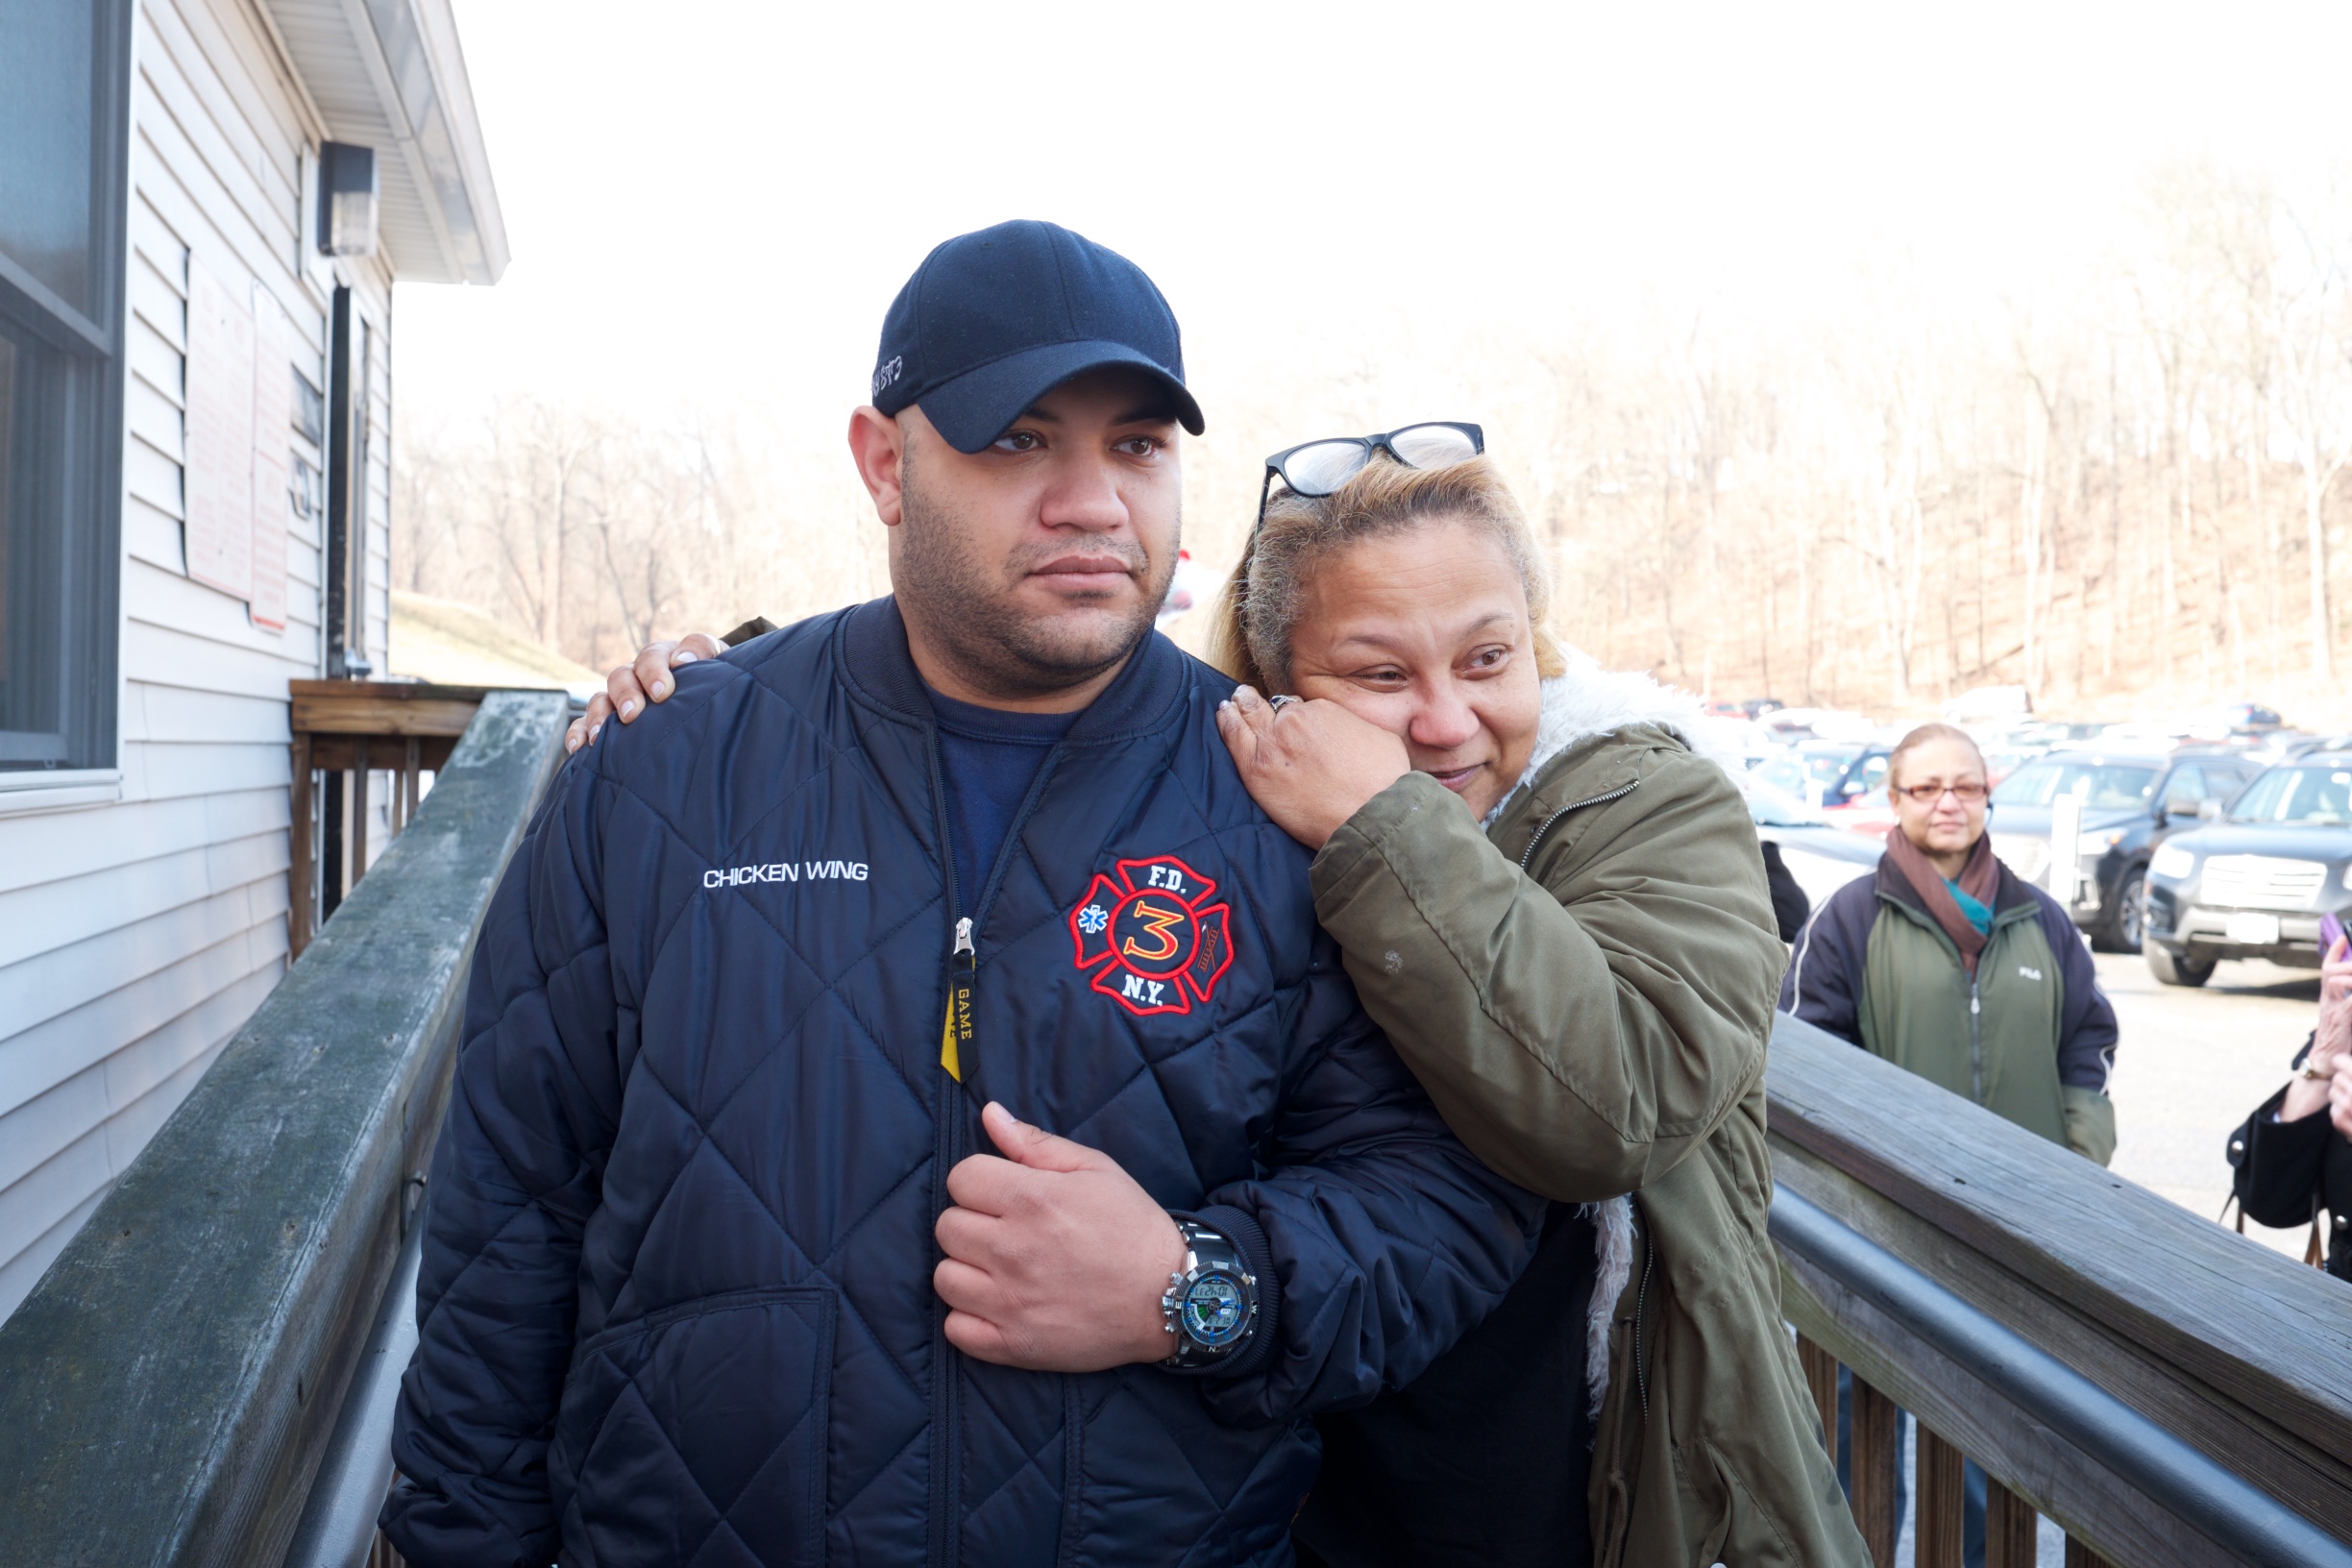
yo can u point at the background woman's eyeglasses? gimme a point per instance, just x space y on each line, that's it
1318 468
1967 794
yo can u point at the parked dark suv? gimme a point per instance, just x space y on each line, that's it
2255 883
2132 802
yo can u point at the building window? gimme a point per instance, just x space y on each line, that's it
63 111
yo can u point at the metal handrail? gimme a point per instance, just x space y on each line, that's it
2237 1515
338 1524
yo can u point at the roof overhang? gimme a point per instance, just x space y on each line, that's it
389 74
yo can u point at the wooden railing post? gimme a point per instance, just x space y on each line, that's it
1821 1370
1874 1467
343 728
355 817
299 877
1943 1502
2011 1528
2079 1555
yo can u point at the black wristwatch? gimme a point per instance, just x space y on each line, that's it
1211 1309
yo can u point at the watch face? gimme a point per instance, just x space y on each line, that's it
1215 1310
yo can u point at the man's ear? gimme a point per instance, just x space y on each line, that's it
877 445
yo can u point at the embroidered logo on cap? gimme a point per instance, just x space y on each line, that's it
1154 940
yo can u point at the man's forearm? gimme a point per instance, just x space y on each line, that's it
1386 1238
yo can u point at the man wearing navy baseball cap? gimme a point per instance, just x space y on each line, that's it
907 1111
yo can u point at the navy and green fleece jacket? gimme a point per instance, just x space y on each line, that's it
676 1305
2029 1036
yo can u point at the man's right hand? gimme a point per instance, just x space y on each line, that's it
631 686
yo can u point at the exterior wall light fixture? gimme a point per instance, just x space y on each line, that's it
348 199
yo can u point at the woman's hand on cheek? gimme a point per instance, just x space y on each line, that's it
1309 766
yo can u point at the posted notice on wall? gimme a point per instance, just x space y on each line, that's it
273 416
219 470
240 397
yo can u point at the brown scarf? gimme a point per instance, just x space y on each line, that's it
1979 879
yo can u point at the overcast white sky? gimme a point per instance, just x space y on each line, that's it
710 202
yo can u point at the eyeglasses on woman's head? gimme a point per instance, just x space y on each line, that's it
1320 468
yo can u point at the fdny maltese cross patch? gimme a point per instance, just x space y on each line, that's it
1166 944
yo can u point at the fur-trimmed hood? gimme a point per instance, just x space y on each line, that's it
1588 700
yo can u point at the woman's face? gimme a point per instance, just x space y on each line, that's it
1426 634
1944 824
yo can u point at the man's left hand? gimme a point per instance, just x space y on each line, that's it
1056 1258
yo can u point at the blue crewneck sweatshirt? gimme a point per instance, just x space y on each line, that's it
988 760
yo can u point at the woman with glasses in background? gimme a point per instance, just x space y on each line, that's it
1950 964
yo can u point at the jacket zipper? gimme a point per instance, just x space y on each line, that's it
1975 1041
959 1025
1641 1304
1528 854
946 1361
1976 1065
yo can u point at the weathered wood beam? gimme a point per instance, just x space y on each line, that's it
381 707
2052 1222
2145 1300
167 1389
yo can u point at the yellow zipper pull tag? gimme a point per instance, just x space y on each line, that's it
956 1029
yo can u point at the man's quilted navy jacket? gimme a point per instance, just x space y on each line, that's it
677 1301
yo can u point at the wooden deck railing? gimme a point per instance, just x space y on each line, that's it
170 1387
204 1376
2171 1393
345 731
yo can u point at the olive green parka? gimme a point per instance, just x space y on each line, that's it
1585 987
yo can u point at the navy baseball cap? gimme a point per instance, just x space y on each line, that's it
993 321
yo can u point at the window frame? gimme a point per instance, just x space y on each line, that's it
86 466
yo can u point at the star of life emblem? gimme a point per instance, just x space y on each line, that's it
1152 939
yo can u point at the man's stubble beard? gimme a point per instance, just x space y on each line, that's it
965 604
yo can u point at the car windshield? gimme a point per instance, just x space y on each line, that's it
2320 797
1787 776
1773 806
2100 786
1825 766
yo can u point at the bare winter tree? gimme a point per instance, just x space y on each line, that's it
2086 494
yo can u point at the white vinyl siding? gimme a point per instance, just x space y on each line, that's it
136 936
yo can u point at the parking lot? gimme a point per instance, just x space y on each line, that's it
2192 1064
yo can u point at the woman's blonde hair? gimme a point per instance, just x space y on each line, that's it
1250 640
